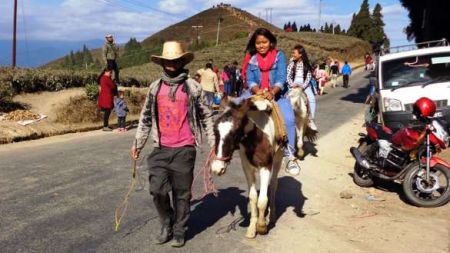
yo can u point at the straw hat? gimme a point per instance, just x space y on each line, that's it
172 50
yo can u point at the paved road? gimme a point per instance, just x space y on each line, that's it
60 196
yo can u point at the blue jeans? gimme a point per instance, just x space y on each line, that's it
227 88
286 111
312 102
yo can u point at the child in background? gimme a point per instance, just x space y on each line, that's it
121 111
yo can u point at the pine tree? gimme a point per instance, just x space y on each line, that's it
362 23
378 35
294 27
327 28
285 27
337 29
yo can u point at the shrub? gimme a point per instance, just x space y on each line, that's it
92 90
78 110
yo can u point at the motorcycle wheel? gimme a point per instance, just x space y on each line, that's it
360 177
420 194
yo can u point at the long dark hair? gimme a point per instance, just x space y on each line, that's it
306 64
106 69
251 48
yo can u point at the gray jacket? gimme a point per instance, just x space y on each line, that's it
109 51
199 115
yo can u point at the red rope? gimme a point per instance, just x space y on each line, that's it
208 182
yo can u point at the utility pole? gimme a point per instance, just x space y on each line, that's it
220 19
267 14
320 15
197 27
14 35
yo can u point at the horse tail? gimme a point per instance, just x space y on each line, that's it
310 134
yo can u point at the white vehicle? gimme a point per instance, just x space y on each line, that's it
405 76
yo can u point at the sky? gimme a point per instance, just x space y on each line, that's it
81 20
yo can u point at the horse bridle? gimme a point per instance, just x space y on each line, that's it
223 159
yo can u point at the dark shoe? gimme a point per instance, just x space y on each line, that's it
107 129
177 241
165 235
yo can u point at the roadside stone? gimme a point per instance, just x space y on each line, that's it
346 195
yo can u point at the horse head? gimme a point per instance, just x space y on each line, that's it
230 127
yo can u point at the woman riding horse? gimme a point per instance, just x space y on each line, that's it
266 76
299 76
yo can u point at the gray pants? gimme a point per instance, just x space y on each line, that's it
171 169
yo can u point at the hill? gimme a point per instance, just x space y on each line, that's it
235 23
318 46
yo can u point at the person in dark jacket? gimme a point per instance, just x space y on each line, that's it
120 106
106 96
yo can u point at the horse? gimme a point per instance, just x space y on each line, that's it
299 103
250 128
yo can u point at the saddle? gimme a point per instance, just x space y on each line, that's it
280 127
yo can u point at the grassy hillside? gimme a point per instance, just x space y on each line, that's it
236 23
318 46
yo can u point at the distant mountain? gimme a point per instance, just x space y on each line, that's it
36 53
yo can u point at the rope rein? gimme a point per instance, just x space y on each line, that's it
208 187
208 182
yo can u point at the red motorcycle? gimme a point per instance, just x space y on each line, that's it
408 156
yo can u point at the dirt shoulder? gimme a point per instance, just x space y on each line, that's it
47 103
333 224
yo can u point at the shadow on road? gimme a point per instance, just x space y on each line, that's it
360 95
289 194
211 209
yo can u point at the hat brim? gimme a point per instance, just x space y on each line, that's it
186 57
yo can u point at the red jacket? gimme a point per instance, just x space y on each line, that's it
106 96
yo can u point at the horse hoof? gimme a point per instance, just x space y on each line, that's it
250 235
261 229
300 153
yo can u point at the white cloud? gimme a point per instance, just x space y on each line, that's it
85 20
89 19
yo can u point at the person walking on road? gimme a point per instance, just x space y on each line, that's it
299 75
174 115
346 72
226 81
322 77
334 69
209 82
108 90
109 55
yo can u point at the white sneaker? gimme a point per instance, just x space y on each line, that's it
293 167
312 125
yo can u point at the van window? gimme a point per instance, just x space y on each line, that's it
416 70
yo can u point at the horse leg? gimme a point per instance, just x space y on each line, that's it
274 185
300 130
264 176
249 172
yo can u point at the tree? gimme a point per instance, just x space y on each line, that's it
428 19
378 35
337 29
361 24
294 27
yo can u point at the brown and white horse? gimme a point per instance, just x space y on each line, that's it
250 128
299 102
